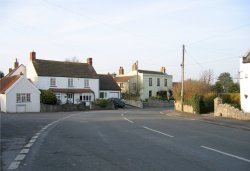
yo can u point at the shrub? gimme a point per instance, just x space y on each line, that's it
48 97
102 102
231 98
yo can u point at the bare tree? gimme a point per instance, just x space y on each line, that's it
73 59
207 76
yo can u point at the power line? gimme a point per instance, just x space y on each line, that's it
219 34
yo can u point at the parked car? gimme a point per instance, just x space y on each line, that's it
117 102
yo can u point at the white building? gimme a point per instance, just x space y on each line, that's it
17 70
18 94
108 87
71 82
245 82
144 82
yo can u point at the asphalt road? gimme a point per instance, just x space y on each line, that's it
126 140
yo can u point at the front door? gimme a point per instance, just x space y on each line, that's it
70 97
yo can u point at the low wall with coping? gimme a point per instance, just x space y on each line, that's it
160 103
136 103
186 108
62 108
226 110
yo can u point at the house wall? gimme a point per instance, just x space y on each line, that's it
31 73
154 88
19 70
111 94
22 86
244 86
2 102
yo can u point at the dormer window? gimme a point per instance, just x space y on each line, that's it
70 82
52 82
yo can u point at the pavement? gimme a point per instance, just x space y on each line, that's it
211 119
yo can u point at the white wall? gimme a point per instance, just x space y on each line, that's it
112 94
22 86
19 70
245 86
31 73
3 102
62 82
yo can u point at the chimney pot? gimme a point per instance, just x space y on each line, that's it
16 64
163 70
134 67
32 56
121 71
89 61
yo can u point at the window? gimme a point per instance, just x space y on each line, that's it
134 86
150 82
150 93
70 82
121 85
103 95
52 82
86 83
166 82
158 81
22 97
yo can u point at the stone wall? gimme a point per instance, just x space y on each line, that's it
225 110
62 108
110 106
160 103
135 103
186 108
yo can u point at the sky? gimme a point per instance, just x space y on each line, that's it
118 33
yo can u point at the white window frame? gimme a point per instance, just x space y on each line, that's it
23 98
86 83
52 82
70 82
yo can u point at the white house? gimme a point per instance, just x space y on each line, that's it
18 94
144 82
17 70
71 82
108 87
245 82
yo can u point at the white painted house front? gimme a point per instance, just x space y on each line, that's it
71 82
245 82
18 95
146 83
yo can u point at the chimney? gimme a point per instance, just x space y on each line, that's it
134 67
163 70
10 70
32 56
89 61
121 71
16 64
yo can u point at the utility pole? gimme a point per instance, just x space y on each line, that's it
182 77
137 82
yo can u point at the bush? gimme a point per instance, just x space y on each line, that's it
231 98
102 102
48 97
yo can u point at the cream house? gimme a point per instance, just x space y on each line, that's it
146 83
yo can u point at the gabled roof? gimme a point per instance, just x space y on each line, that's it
123 78
151 72
64 69
107 82
7 82
10 73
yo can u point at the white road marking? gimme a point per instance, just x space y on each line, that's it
20 157
227 154
14 165
128 120
24 151
32 140
158 132
29 145
34 137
